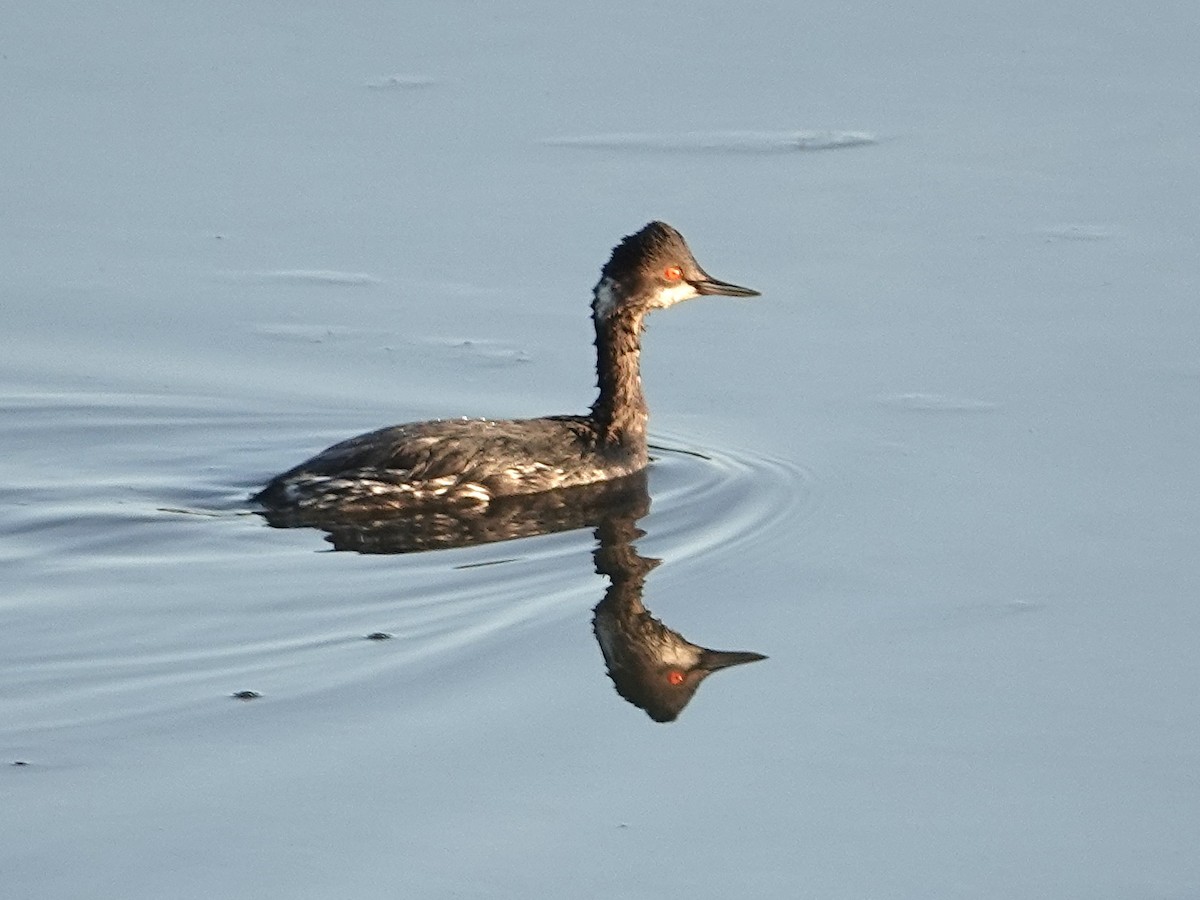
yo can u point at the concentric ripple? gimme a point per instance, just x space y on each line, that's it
709 501
142 586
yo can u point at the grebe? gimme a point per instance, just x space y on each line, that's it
472 461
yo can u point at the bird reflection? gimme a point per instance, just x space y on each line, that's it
445 526
652 666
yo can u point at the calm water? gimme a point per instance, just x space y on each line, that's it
942 474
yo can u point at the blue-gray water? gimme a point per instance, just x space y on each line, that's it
942 473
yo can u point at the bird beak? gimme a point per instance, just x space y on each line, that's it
707 286
723 659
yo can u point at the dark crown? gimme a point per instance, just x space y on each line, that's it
655 243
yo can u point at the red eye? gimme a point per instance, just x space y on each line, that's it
673 273
675 677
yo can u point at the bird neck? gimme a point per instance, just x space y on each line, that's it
620 409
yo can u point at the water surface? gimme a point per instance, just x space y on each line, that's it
941 474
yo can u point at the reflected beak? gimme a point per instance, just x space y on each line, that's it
708 286
723 659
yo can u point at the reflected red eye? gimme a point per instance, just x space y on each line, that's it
675 676
673 273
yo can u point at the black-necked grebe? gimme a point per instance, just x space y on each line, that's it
471 461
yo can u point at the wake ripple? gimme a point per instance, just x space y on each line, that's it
141 589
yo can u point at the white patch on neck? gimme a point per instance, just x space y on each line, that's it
675 294
605 299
